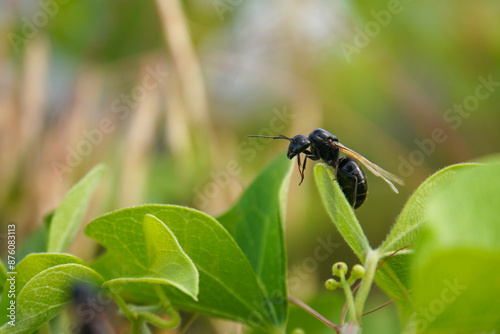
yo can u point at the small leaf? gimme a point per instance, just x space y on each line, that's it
393 276
33 264
255 222
166 261
457 263
46 293
228 286
340 211
30 266
68 216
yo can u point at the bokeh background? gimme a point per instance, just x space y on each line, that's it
166 92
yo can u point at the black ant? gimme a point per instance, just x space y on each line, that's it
322 145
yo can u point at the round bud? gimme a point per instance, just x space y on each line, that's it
339 267
298 331
331 284
357 271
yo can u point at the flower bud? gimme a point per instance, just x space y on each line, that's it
339 267
357 271
331 284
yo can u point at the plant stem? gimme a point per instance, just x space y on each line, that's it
349 298
372 259
175 318
314 313
123 306
133 317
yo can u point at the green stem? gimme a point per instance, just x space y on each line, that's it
372 259
175 318
135 326
350 300
132 316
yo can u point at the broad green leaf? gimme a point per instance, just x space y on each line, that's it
456 270
30 266
255 222
166 262
228 286
340 211
46 293
68 216
393 276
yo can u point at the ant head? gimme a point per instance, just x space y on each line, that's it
298 144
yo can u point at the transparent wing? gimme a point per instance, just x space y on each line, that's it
374 168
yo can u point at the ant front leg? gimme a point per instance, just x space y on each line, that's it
301 171
302 168
309 155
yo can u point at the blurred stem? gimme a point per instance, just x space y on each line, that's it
192 318
186 61
191 80
372 259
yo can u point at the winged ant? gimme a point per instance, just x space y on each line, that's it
322 145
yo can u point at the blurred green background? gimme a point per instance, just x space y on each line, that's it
166 92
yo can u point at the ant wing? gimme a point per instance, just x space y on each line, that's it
375 169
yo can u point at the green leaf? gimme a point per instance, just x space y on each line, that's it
68 216
3 276
393 276
255 222
457 263
340 211
228 286
32 265
166 262
406 231
46 293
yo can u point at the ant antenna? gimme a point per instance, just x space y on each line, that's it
277 137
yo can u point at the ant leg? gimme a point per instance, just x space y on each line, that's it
310 155
301 172
303 169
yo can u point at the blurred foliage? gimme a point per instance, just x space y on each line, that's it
255 57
